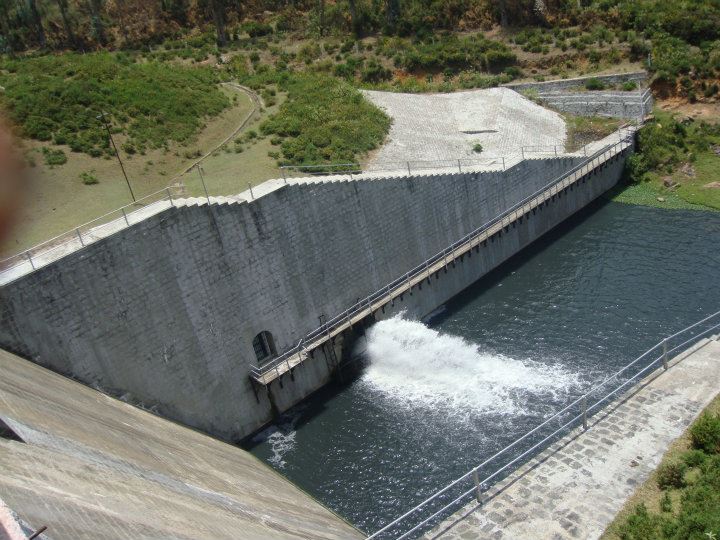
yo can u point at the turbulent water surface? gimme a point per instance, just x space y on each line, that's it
437 398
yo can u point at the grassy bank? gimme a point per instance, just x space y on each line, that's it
681 499
676 165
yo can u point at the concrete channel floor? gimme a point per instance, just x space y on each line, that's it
89 466
575 488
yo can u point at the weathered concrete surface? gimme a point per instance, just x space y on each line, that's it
446 126
94 467
575 488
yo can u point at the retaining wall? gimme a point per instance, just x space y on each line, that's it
565 84
165 311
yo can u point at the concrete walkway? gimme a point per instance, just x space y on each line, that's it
575 488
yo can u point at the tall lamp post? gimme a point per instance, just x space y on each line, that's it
101 116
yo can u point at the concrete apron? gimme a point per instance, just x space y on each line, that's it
575 488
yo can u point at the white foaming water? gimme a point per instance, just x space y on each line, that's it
417 366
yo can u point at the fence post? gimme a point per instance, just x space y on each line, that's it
665 354
503 161
476 479
80 237
125 216
167 190
408 166
459 166
584 412
251 191
199 170
555 147
29 257
522 152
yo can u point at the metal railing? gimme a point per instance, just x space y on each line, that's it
447 500
448 255
82 235
414 166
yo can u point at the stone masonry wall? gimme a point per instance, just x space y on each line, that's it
165 311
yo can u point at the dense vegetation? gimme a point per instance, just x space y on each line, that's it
324 119
666 142
690 504
57 98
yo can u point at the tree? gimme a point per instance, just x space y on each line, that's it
37 22
392 14
62 5
96 19
353 17
218 10
321 16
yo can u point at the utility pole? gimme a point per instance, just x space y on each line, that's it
101 116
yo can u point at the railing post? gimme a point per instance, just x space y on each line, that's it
167 190
29 257
251 191
584 412
125 216
665 354
476 480
80 237
522 152
503 162
459 166
408 167
555 147
202 180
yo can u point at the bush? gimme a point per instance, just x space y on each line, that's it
54 157
477 148
256 29
629 86
89 178
375 72
594 84
323 120
60 96
694 458
671 475
705 433
640 525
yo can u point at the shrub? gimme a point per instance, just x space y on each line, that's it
640 525
666 503
671 475
705 433
256 29
375 72
629 86
54 156
477 148
89 178
60 96
594 84
694 458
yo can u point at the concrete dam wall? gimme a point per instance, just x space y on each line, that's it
172 312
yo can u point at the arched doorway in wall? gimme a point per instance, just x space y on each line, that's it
264 346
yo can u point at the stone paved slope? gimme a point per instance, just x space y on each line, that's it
576 487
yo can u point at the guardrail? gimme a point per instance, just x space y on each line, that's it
385 294
84 234
575 414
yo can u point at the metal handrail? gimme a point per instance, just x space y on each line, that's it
356 168
55 242
479 486
342 318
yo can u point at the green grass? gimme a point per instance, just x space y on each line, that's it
57 200
57 98
681 499
582 130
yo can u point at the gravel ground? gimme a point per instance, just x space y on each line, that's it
446 126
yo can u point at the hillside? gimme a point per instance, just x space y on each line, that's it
159 70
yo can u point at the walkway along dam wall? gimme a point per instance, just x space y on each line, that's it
174 310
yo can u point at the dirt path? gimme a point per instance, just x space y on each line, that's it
257 105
